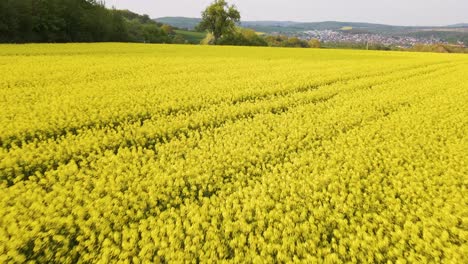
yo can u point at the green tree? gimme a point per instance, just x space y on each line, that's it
242 37
295 42
314 43
168 29
284 41
219 19
178 39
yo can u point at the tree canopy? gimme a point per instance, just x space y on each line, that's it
219 19
73 21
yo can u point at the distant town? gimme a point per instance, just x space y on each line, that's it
332 36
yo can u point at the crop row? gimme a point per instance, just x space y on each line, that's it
363 168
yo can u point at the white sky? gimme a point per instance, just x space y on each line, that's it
395 12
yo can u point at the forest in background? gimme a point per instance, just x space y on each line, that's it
26 21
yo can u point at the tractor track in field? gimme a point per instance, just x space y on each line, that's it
43 135
27 169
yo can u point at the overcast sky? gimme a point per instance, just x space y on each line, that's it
396 12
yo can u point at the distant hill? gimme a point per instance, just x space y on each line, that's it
291 26
180 22
285 26
451 33
277 26
461 25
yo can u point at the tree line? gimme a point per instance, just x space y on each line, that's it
24 21
60 21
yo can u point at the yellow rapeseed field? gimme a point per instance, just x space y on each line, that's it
192 154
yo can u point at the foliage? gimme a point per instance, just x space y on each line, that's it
314 43
169 30
192 37
440 48
219 19
73 21
208 40
353 45
295 42
195 154
284 41
242 37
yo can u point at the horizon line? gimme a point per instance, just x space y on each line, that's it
464 24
